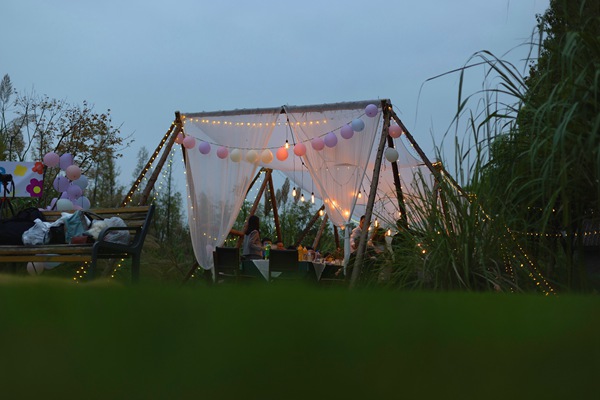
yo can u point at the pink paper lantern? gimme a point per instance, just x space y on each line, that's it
282 154
371 110
395 131
51 159
204 148
179 138
189 142
222 152
330 139
73 172
346 132
300 149
317 144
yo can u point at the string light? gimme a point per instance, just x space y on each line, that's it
302 197
287 144
293 192
312 197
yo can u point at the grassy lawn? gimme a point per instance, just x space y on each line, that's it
104 340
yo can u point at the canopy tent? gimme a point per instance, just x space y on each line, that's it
332 153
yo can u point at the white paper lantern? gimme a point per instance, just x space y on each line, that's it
266 156
235 155
251 156
391 154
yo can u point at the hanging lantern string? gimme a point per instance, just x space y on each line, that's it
267 148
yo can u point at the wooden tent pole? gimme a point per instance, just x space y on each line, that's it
308 226
274 207
336 237
255 205
138 181
163 159
396 172
320 231
360 251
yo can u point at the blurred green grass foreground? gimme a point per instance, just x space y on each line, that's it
103 341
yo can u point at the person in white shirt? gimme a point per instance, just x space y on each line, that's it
355 235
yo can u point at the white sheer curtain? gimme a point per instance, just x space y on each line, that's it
217 187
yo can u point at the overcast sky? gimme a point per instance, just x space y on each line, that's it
144 60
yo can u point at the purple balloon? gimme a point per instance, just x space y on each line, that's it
346 132
74 192
330 139
317 143
358 125
204 147
61 183
371 110
66 160
222 152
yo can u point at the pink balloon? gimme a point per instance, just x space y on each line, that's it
189 142
65 161
317 143
371 110
73 172
300 149
51 159
204 148
330 139
395 131
222 152
282 154
346 132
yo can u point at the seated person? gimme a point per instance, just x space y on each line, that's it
279 245
252 247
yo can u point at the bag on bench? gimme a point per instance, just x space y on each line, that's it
12 229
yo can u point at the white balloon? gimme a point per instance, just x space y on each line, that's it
35 268
83 202
64 205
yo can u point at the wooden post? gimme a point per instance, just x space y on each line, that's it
255 205
360 251
397 184
138 181
163 158
336 237
274 207
320 231
308 226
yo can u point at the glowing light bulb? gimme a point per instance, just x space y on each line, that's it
302 197
312 197
321 213
359 195
376 223
293 192
287 144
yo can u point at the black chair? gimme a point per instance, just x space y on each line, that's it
227 263
286 263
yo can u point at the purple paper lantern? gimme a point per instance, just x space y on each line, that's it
346 132
204 148
317 144
371 110
330 139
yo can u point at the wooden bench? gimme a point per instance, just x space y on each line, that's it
137 220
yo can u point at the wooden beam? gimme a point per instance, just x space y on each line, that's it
360 251
336 237
320 231
274 207
308 227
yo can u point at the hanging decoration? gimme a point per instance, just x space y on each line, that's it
204 148
236 155
330 140
391 154
266 156
222 152
189 142
346 132
317 143
179 138
282 154
300 149
251 156
358 125
371 110
395 131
